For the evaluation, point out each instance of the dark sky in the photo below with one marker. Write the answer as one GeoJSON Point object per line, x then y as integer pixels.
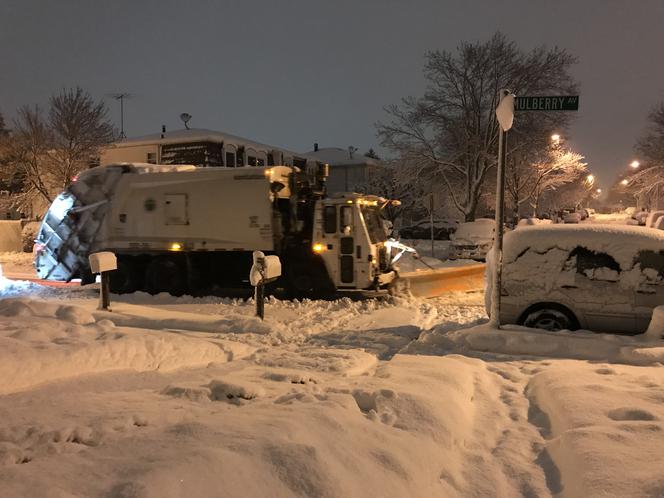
{"type": "Point", "coordinates": [291, 73]}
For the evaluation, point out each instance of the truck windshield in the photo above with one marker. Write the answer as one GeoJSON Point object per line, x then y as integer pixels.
{"type": "Point", "coordinates": [374, 223]}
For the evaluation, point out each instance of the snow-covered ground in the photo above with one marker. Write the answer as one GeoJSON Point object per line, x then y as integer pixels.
{"type": "Point", "coordinates": [18, 263]}
{"type": "Point", "coordinates": [171, 397]}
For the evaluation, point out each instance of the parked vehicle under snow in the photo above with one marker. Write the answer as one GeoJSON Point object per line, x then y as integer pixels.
{"type": "Point", "coordinates": [472, 240]}
{"type": "Point", "coordinates": [597, 277]}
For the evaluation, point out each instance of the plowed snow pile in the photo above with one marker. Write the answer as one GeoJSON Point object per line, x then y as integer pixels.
{"type": "Point", "coordinates": [42, 341]}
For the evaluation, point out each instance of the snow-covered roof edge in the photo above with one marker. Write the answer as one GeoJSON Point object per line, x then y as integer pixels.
{"type": "Point", "coordinates": [203, 135]}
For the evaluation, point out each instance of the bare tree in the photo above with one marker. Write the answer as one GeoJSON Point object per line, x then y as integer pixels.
{"type": "Point", "coordinates": [48, 152]}
{"type": "Point", "coordinates": [80, 127]}
{"type": "Point", "coordinates": [451, 131]}
{"type": "Point", "coordinates": [650, 146]}
{"type": "Point", "coordinates": [28, 155]}
{"type": "Point", "coordinates": [553, 167]}
{"type": "Point", "coordinates": [647, 184]}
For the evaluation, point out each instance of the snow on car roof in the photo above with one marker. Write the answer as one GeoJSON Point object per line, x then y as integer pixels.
{"type": "Point", "coordinates": [619, 241]}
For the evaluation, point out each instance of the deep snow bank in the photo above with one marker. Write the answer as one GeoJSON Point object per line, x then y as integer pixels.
{"type": "Point", "coordinates": [44, 341]}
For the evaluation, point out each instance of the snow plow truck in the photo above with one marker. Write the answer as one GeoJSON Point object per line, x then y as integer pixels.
{"type": "Point", "coordinates": [185, 229]}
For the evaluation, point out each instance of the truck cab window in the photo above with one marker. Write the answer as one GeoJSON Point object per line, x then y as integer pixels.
{"type": "Point", "coordinates": [374, 223]}
{"type": "Point", "coordinates": [330, 219]}
{"type": "Point", "coordinates": [346, 218]}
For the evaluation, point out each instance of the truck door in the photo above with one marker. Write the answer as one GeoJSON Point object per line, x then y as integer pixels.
{"type": "Point", "coordinates": [346, 245]}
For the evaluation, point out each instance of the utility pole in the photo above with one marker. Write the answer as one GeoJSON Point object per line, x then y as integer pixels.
{"type": "Point", "coordinates": [121, 96]}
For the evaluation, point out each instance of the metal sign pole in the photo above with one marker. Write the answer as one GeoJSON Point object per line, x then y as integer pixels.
{"type": "Point", "coordinates": [498, 244]}
{"type": "Point", "coordinates": [505, 116]}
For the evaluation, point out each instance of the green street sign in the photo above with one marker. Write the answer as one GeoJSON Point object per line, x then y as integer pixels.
{"type": "Point", "coordinates": [559, 103]}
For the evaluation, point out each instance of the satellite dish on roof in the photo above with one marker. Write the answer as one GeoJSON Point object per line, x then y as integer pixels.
{"type": "Point", "coordinates": [185, 117]}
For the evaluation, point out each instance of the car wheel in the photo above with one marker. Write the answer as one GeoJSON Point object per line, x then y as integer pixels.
{"type": "Point", "coordinates": [552, 319]}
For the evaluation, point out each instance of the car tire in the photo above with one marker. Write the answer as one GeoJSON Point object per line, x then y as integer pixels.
{"type": "Point", "coordinates": [552, 318]}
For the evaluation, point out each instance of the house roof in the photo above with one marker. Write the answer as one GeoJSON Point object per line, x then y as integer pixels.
{"type": "Point", "coordinates": [336, 156]}
{"type": "Point", "coordinates": [199, 135]}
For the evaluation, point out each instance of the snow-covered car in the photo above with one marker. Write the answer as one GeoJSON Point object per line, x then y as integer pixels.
{"type": "Point", "coordinates": [641, 217]}
{"type": "Point", "coordinates": [472, 240]}
{"type": "Point", "coordinates": [597, 277]}
{"type": "Point", "coordinates": [571, 217]}
{"type": "Point", "coordinates": [442, 229]}
{"type": "Point", "coordinates": [653, 218]}
{"type": "Point", "coordinates": [530, 221]}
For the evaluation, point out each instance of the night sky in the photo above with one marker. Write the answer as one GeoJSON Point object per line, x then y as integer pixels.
{"type": "Point", "coordinates": [292, 73]}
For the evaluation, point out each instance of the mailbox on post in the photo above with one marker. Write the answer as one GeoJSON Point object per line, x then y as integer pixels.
{"type": "Point", "coordinates": [103, 263]}
{"type": "Point", "coordinates": [265, 269]}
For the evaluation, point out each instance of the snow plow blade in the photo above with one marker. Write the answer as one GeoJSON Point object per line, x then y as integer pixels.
{"type": "Point", "coordinates": [433, 283]}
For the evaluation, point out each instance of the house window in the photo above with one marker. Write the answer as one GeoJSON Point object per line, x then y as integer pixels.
{"type": "Point", "coordinates": [152, 158]}
{"type": "Point", "coordinates": [251, 161]}
{"type": "Point", "coordinates": [230, 159]}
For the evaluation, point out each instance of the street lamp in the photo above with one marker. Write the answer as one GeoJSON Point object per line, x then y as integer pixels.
{"type": "Point", "coordinates": [624, 182]}
{"type": "Point", "coordinates": [599, 190]}
{"type": "Point", "coordinates": [590, 179]}
{"type": "Point", "coordinates": [555, 138]}
{"type": "Point", "coordinates": [635, 164]}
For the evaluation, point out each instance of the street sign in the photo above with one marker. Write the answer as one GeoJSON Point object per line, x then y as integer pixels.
{"type": "Point", "coordinates": [557, 103]}
{"type": "Point", "coordinates": [505, 111]}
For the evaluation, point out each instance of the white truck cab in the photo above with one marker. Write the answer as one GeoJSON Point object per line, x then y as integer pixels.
{"type": "Point", "coordinates": [350, 238]}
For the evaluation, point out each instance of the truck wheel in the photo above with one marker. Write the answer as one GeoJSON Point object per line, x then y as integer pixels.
{"type": "Point", "coordinates": [163, 274]}
{"type": "Point", "coordinates": [305, 281]}
{"type": "Point", "coordinates": [125, 279]}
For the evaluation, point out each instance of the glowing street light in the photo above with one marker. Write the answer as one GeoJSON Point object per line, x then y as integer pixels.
{"type": "Point", "coordinates": [555, 138]}
{"type": "Point", "coordinates": [590, 179]}
{"type": "Point", "coordinates": [635, 164]}
{"type": "Point", "coordinates": [599, 190]}
{"type": "Point", "coordinates": [624, 182]}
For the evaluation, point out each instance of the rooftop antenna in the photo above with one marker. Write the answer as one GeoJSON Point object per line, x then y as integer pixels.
{"type": "Point", "coordinates": [351, 151]}
{"type": "Point", "coordinates": [185, 119]}
{"type": "Point", "coordinates": [121, 96]}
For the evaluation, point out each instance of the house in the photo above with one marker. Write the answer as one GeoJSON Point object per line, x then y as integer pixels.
{"type": "Point", "coordinates": [348, 169]}
{"type": "Point", "coordinates": [201, 147]}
